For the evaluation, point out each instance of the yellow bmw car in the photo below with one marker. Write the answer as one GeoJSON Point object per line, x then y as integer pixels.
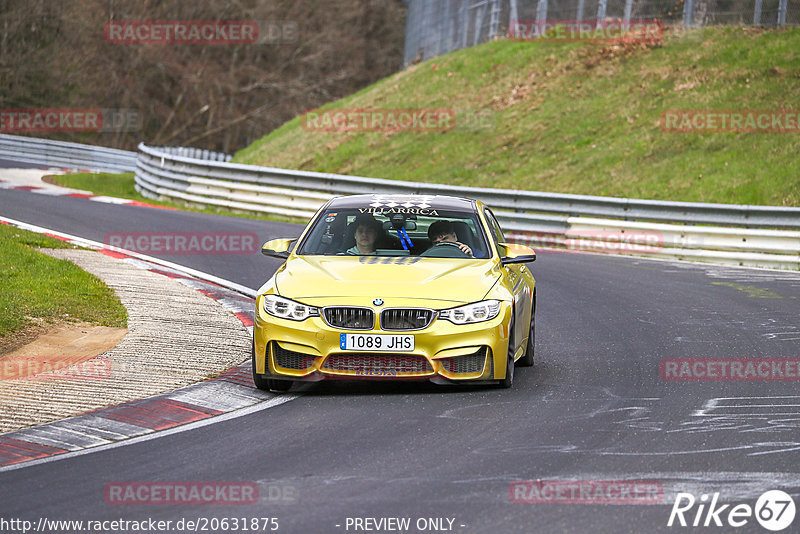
{"type": "Point", "coordinates": [396, 287]}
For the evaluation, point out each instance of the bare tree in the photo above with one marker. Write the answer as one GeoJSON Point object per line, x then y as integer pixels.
{"type": "Point", "coordinates": [222, 97]}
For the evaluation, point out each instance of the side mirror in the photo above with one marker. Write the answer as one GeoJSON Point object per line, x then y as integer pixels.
{"type": "Point", "coordinates": [516, 254]}
{"type": "Point", "coordinates": [278, 248]}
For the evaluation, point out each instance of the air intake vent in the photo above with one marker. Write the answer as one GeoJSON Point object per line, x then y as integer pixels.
{"type": "Point", "coordinates": [291, 360]}
{"type": "Point", "coordinates": [349, 318]}
{"type": "Point", "coordinates": [368, 364]}
{"type": "Point", "coordinates": [406, 319]}
{"type": "Point", "coordinates": [469, 364]}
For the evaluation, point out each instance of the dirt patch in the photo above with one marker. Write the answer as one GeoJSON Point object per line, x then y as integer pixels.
{"type": "Point", "coordinates": [18, 338]}
{"type": "Point", "coordinates": [592, 56]}
{"type": "Point", "coordinates": [51, 179]}
{"type": "Point", "coordinates": [56, 348]}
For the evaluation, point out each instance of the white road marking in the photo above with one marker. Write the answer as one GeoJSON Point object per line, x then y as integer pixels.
{"type": "Point", "coordinates": [275, 401]}
{"type": "Point", "coordinates": [218, 395]}
{"type": "Point", "coordinates": [713, 408]}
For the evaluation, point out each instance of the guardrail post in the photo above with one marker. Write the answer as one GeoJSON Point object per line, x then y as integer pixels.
{"type": "Point", "coordinates": [601, 11]}
{"type": "Point", "coordinates": [688, 14]}
{"type": "Point", "coordinates": [541, 12]}
{"type": "Point", "coordinates": [757, 13]}
{"type": "Point", "coordinates": [513, 17]}
{"type": "Point", "coordinates": [480, 13]}
{"type": "Point", "coordinates": [627, 15]}
{"type": "Point", "coordinates": [782, 12]}
{"type": "Point", "coordinates": [494, 18]}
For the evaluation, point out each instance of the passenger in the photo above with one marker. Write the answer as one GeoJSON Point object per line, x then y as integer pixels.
{"type": "Point", "coordinates": [366, 235]}
{"type": "Point", "coordinates": [444, 242]}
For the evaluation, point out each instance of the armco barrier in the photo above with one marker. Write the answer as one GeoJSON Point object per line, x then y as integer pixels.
{"type": "Point", "coordinates": [62, 154]}
{"type": "Point", "coordinates": [759, 236]}
{"type": "Point", "coordinates": [157, 162]}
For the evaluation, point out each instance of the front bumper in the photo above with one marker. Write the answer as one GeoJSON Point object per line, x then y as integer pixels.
{"type": "Point", "coordinates": [444, 352]}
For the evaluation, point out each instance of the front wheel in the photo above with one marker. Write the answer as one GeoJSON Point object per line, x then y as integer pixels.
{"type": "Point", "coordinates": [527, 360]}
{"type": "Point", "coordinates": [266, 384]}
{"type": "Point", "coordinates": [260, 382]}
{"type": "Point", "coordinates": [508, 381]}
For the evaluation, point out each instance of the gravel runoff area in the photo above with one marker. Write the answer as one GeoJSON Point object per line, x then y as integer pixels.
{"type": "Point", "coordinates": [176, 336]}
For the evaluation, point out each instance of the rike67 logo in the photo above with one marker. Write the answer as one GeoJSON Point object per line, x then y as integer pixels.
{"type": "Point", "coordinates": [774, 510]}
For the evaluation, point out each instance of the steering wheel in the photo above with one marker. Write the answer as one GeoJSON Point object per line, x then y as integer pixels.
{"type": "Point", "coordinates": [448, 243]}
{"type": "Point", "coordinates": [451, 244]}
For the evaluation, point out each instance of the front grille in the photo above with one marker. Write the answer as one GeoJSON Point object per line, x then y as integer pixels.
{"type": "Point", "coordinates": [406, 319]}
{"type": "Point", "coordinates": [471, 363]}
{"type": "Point", "coordinates": [349, 318]}
{"type": "Point", "coordinates": [369, 364]}
{"type": "Point", "coordinates": [291, 360]}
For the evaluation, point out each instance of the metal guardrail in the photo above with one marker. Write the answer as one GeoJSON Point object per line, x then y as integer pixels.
{"type": "Point", "coordinates": [762, 236]}
{"type": "Point", "coordinates": [195, 153]}
{"type": "Point", "coordinates": [64, 154]}
{"type": "Point", "coordinates": [528, 205]}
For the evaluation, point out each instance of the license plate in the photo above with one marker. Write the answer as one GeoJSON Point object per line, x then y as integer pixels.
{"type": "Point", "coordinates": [376, 342]}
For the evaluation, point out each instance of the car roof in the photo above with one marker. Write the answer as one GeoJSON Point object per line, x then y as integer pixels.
{"type": "Point", "coordinates": [406, 201]}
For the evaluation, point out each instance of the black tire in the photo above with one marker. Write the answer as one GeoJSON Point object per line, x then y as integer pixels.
{"type": "Point", "coordinates": [259, 380]}
{"type": "Point", "coordinates": [527, 360]}
{"type": "Point", "coordinates": [508, 381]}
{"type": "Point", "coordinates": [263, 383]}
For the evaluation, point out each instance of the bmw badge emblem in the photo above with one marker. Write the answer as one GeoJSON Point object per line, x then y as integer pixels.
{"type": "Point", "coordinates": [378, 302]}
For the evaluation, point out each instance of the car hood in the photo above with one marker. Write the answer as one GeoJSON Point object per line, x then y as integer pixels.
{"type": "Point", "coordinates": [459, 280]}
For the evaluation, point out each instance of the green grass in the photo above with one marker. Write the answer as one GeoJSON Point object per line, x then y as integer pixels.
{"type": "Point", "coordinates": [122, 186]}
{"type": "Point", "coordinates": [112, 185]}
{"type": "Point", "coordinates": [35, 285]}
{"type": "Point", "coordinates": [578, 118]}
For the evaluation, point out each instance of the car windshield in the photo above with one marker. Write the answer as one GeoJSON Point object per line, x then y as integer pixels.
{"type": "Point", "coordinates": [361, 232]}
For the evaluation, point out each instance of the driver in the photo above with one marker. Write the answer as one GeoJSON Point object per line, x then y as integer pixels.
{"type": "Point", "coordinates": [367, 228]}
{"type": "Point", "coordinates": [445, 242]}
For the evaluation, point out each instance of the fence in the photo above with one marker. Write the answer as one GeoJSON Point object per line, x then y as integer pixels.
{"type": "Point", "coordinates": [435, 27]}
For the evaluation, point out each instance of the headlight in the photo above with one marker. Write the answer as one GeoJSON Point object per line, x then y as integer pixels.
{"type": "Point", "coordinates": [477, 312]}
{"type": "Point", "coordinates": [288, 309]}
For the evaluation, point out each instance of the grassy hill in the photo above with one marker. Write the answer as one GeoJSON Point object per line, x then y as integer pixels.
{"type": "Point", "coordinates": [577, 118]}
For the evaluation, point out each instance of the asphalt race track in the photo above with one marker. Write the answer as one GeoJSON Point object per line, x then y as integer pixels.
{"type": "Point", "coordinates": [594, 408]}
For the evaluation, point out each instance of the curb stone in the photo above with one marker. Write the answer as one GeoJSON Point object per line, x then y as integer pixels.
{"type": "Point", "coordinates": [231, 390]}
